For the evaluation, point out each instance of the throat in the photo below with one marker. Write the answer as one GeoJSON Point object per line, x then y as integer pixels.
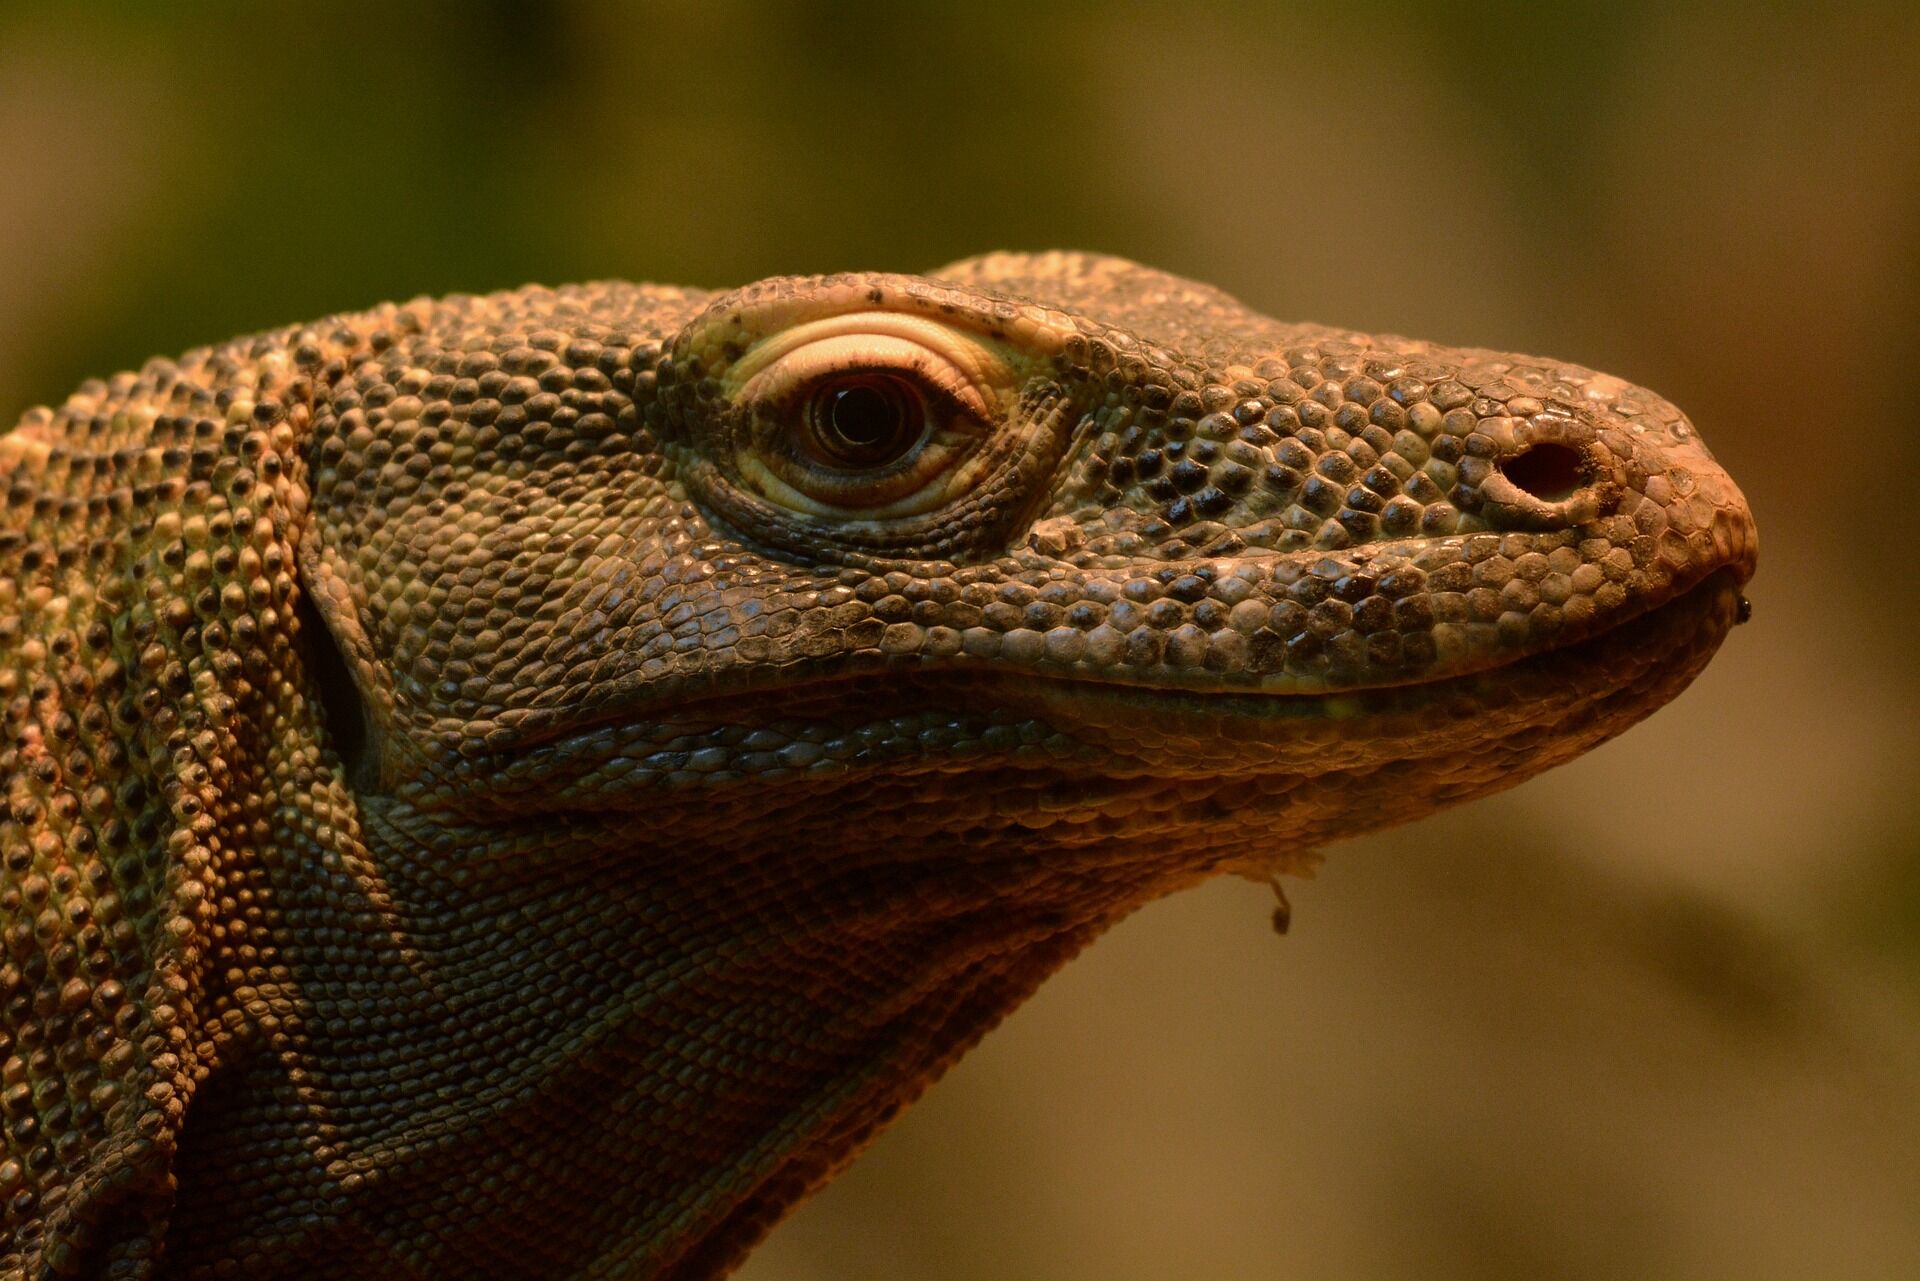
{"type": "Point", "coordinates": [724, 1029]}
{"type": "Point", "coordinates": [858, 1079]}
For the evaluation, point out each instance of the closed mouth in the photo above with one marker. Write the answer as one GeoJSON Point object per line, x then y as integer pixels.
{"type": "Point", "coordinates": [1656, 651]}
{"type": "Point", "coordinates": [1714, 604]}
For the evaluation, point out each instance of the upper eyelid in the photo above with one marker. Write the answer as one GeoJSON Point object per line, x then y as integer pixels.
{"type": "Point", "coordinates": [979, 361]}
{"type": "Point", "coordinates": [787, 378]}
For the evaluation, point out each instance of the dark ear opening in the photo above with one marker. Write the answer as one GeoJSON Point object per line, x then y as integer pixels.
{"type": "Point", "coordinates": [341, 706]}
{"type": "Point", "coordinates": [334, 647]}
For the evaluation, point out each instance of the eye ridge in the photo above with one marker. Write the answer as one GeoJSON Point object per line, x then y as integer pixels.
{"type": "Point", "coordinates": [865, 421]}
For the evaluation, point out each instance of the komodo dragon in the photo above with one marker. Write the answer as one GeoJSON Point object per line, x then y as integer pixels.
{"type": "Point", "coordinates": [528, 785]}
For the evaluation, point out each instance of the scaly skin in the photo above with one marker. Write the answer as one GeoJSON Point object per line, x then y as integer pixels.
{"type": "Point", "coordinates": [528, 785]}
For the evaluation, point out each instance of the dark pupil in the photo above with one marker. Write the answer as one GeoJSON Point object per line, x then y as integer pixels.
{"type": "Point", "coordinates": [866, 423]}
{"type": "Point", "coordinates": [865, 415]}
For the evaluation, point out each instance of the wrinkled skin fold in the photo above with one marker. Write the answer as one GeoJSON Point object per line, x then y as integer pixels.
{"type": "Point", "coordinates": [528, 785]}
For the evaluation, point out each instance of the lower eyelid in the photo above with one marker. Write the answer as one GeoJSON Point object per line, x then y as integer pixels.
{"type": "Point", "coordinates": [882, 489]}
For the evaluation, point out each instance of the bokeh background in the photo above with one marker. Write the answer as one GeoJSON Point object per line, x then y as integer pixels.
{"type": "Point", "coordinates": [1654, 1015]}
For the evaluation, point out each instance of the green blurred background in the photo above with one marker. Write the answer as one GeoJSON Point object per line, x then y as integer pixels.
{"type": "Point", "coordinates": [1656, 1014]}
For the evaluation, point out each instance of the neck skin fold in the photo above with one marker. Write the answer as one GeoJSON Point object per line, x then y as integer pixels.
{"type": "Point", "coordinates": [728, 1028]}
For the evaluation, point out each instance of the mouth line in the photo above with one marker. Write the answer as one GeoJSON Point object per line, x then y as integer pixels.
{"type": "Point", "coordinates": [1601, 650]}
{"type": "Point", "coordinates": [1595, 660]}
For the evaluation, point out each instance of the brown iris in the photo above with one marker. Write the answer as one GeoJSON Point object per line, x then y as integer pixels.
{"type": "Point", "coordinates": [865, 421]}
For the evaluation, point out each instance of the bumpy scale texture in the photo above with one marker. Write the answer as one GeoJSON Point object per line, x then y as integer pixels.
{"type": "Point", "coordinates": [513, 786]}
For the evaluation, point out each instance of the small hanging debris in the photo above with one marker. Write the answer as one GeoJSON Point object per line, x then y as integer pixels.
{"type": "Point", "coordinates": [1282, 910]}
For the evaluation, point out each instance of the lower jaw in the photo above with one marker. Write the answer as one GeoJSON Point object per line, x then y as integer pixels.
{"type": "Point", "coordinates": [1656, 653]}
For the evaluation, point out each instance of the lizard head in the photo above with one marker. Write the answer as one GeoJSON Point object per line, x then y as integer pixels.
{"type": "Point", "coordinates": [744, 699]}
{"type": "Point", "coordinates": [1050, 546]}
{"type": "Point", "coordinates": [850, 650]}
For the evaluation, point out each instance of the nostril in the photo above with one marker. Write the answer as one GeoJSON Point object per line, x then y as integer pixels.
{"type": "Point", "coordinates": [1547, 470]}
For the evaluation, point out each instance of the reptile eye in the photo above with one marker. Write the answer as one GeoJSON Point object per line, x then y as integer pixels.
{"type": "Point", "coordinates": [867, 416]}
{"type": "Point", "coordinates": [865, 422]}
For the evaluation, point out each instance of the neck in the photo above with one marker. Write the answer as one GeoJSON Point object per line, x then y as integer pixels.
{"type": "Point", "coordinates": [728, 1027]}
